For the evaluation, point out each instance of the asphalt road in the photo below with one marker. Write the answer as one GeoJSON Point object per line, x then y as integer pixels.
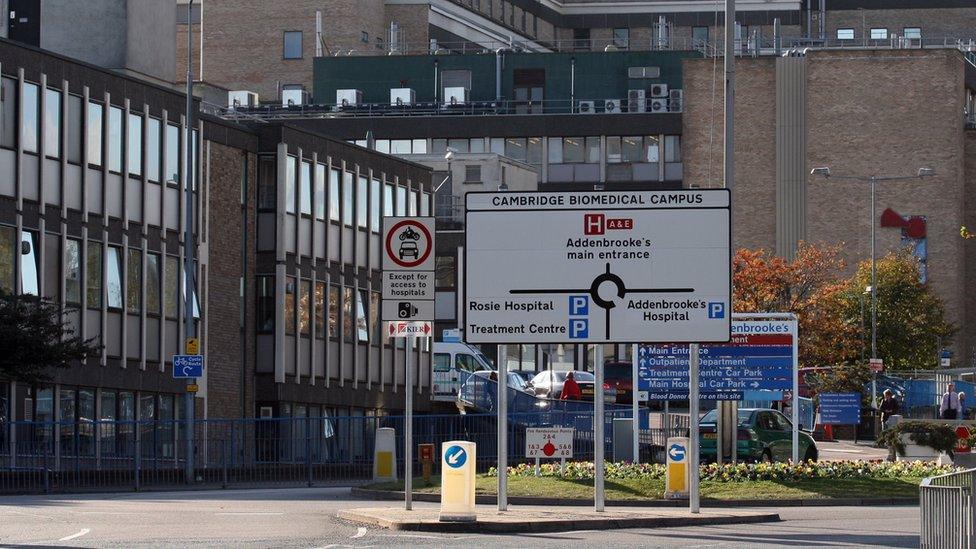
{"type": "Point", "coordinates": [306, 518]}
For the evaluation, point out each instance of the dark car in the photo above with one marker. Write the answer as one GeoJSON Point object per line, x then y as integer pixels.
{"type": "Point", "coordinates": [619, 376]}
{"type": "Point", "coordinates": [763, 435]}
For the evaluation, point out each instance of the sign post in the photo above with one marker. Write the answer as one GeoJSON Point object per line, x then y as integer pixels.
{"type": "Point", "coordinates": [408, 307]}
{"type": "Point", "coordinates": [694, 407]}
{"type": "Point", "coordinates": [635, 403]}
{"type": "Point", "coordinates": [502, 396]}
{"type": "Point", "coordinates": [595, 267]}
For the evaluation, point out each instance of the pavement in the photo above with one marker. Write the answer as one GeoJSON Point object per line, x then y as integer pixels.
{"type": "Point", "coordinates": [307, 518]}
{"type": "Point", "coordinates": [846, 450]}
{"type": "Point", "coordinates": [546, 519]}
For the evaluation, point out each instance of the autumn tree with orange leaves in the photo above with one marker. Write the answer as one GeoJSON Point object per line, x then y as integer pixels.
{"type": "Point", "coordinates": [809, 286]}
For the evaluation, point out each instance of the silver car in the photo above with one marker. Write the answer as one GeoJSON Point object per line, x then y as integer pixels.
{"type": "Point", "coordinates": [549, 384]}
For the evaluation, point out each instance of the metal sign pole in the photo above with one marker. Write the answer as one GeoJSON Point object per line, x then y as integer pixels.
{"type": "Point", "coordinates": [635, 408]}
{"type": "Point", "coordinates": [502, 391]}
{"type": "Point", "coordinates": [599, 442]}
{"type": "Point", "coordinates": [693, 469]}
{"type": "Point", "coordinates": [796, 393]}
{"type": "Point", "coordinates": [408, 429]}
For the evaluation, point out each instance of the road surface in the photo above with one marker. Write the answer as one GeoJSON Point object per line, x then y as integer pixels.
{"type": "Point", "coordinates": [305, 517]}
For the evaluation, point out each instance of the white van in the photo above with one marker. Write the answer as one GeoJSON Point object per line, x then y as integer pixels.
{"type": "Point", "coordinates": [452, 364]}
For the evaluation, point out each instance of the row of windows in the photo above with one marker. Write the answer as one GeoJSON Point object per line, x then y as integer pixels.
{"type": "Point", "coordinates": [881, 33]}
{"type": "Point", "coordinates": [103, 277]}
{"type": "Point", "coordinates": [157, 168]}
{"type": "Point", "coordinates": [562, 150]}
{"type": "Point", "coordinates": [302, 308]}
{"type": "Point", "coordinates": [354, 194]}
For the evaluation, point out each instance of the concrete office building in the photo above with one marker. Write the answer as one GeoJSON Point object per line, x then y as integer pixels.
{"type": "Point", "coordinates": [287, 221]}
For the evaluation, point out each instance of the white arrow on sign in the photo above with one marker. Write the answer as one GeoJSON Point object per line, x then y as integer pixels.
{"type": "Point", "coordinates": [676, 452]}
{"type": "Point", "coordinates": [453, 459]}
{"type": "Point", "coordinates": [186, 370]}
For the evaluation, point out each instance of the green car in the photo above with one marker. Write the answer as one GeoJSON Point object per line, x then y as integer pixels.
{"type": "Point", "coordinates": [763, 435]}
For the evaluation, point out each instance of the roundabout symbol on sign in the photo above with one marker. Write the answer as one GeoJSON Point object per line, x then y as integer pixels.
{"type": "Point", "coordinates": [412, 244]}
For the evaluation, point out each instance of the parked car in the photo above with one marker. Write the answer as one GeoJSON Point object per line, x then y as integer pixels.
{"type": "Point", "coordinates": [619, 376]}
{"type": "Point", "coordinates": [526, 375]}
{"type": "Point", "coordinates": [549, 384]}
{"type": "Point", "coordinates": [515, 381]}
{"type": "Point", "coordinates": [763, 435]}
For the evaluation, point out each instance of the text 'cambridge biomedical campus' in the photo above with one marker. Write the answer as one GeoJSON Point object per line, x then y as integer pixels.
{"type": "Point", "coordinates": [488, 273]}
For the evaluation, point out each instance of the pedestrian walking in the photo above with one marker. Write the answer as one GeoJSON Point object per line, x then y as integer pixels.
{"type": "Point", "coordinates": [889, 406]}
{"type": "Point", "coordinates": [949, 406]}
{"type": "Point", "coordinates": [571, 389]}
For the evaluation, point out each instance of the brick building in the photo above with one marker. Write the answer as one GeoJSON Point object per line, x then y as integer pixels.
{"type": "Point", "coordinates": [287, 279]}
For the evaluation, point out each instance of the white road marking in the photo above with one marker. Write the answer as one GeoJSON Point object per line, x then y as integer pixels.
{"type": "Point", "coordinates": [251, 514]}
{"type": "Point", "coordinates": [843, 451]}
{"type": "Point", "coordinates": [360, 532]}
{"type": "Point", "coordinates": [82, 532]}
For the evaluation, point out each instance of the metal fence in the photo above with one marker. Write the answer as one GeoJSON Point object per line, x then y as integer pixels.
{"type": "Point", "coordinates": [124, 455]}
{"type": "Point", "coordinates": [947, 511]}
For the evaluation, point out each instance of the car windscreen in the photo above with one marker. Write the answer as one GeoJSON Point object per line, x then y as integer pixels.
{"type": "Point", "coordinates": [744, 417]}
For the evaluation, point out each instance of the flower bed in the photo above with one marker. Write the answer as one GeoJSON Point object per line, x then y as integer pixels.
{"type": "Point", "coordinates": [583, 470]}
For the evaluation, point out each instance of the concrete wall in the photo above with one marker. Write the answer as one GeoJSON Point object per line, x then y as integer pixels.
{"type": "Point", "coordinates": [151, 30]}
{"type": "Point", "coordinates": [93, 31]}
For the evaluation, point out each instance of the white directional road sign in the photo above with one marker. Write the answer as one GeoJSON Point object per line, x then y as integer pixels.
{"type": "Point", "coordinates": [596, 267]}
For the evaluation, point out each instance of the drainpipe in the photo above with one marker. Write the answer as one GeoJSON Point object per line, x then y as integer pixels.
{"type": "Point", "coordinates": [572, 84]}
{"type": "Point", "coordinates": [436, 91]}
{"type": "Point", "coordinates": [498, 75]}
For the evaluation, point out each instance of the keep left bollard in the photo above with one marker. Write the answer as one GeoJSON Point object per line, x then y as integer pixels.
{"type": "Point", "coordinates": [457, 481]}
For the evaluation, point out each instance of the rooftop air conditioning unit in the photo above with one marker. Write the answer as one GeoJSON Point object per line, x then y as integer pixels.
{"type": "Point", "coordinates": [659, 104]}
{"type": "Point", "coordinates": [242, 98]}
{"type": "Point", "coordinates": [659, 90]}
{"type": "Point", "coordinates": [348, 98]}
{"type": "Point", "coordinates": [636, 101]}
{"type": "Point", "coordinates": [402, 96]}
{"type": "Point", "coordinates": [587, 107]}
{"type": "Point", "coordinates": [455, 96]}
{"type": "Point", "coordinates": [611, 105]}
{"type": "Point", "coordinates": [676, 100]}
{"type": "Point", "coordinates": [291, 98]}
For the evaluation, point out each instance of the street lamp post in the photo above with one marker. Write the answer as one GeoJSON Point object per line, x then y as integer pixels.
{"type": "Point", "coordinates": [873, 180]}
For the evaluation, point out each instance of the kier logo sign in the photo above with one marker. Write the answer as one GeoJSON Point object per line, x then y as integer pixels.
{"type": "Point", "coordinates": [409, 329]}
{"type": "Point", "coordinates": [597, 224]}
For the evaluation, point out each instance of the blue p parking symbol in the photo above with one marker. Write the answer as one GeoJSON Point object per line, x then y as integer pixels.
{"type": "Point", "coordinates": [579, 305]}
{"type": "Point", "coordinates": [716, 309]}
{"type": "Point", "coordinates": [579, 328]}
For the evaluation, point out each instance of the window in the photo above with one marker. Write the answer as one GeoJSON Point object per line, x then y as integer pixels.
{"type": "Point", "coordinates": [7, 258]}
{"type": "Point", "coordinates": [72, 271]}
{"type": "Point", "coordinates": [420, 146]}
{"type": "Point", "coordinates": [95, 134]}
{"type": "Point", "coordinates": [652, 149]}
{"type": "Point", "coordinates": [114, 271]}
{"type": "Point", "coordinates": [152, 149]}
{"type": "Point", "coordinates": [52, 123]}
{"type": "Point", "coordinates": [347, 318]}
{"type": "Point", "coordinates": [292, 45]}
{"type": "Point", "coordinates": [93, 275]}
{"type": "Point", "coordinates": [135, 144]}
{"type": "Point", "coordinates": [29, 124]}
{"type": "Point", "coordinates": [672, 148]}
{"type": "Point", "coordinates": [845, 34]}
{"type": "Point", "coordinates": [265, 316]}
{"type": "Point", "coordinates": [334, 195]}
{"type": "Point", "coordinates": [425, 204]}
{"type": "Point", "coordinates": [574, 150]}
{"type": "Point", "coordinates": [400, 146]}
{"type": "Point", "coordinates": [912, 33]}
{"type": "Point", "coordinates": [29, 282]}
{"type": "Point", "coordinates": [581, 39]}
{"type": "Point", "coordinates": [382, 145]}
{"type": "Point", "coordinates": [115, 139]}
{"type": "Point", "coordinates": [74, 114]}
{"type": "Point", "coordinates": [133, 291]}
{"type": "Point", "coordinates": [879, 34]}
{"type": "Point", "coordinates": [401, 201]}
{"type": "Point", "coordinates": [533, 152]}
{"type": "Point", "coordinates": [699, 35]}
{"type": "Point", "coordinates": [592, 150]}
{"type": "Point", "coordinates": [172, 275]}
{"type": "Point", "coordinates": [347, 197]}
{"type": "Point", "coordinates": [362, 322]}
{"type": "Point", "coordinates": [621, 37]}
{"type": "Point", "coordinates": [362, 202]}
{"type": "Point", "coordinates": [320, 192]}
{"type": "Point", "coordinates": [333, 311]}
{"type": "Point", "coordinates": [305, 307]}
{"type": "Point", "coordinates": [152, 284]}
{"type": "Point", "coordinates": [632, 149]}
{"type": "Point", "coordinates": [472, 173]}
{"type": "Point", "coordinates": [374, 206]}
{"type": "Point", "coordinates": [459, 145]}
{"type": "Point", "coordinates": [319, 310]}
{"type": "Point", "coordinates": [374, 317]}
{"type": "Point", "coordinates": [290, 183]}
{"type": "Point", "coordinates": [387, 200]}
{"type": "Point", "coordinates": [438, 146]}
{"type": "Point", "coordinates": [613, 150]}
{"type": "Point", "coordinates": [364, 36]}
{"type": "Point", "coordinates": [172, 169]}
{"type": "Point", "coordinates": [290, 305]}
{"type": "Point", "coordinates": [305, 191]}
{"type": "Point", "coordinates": [515, 148]}
{"type": "Point", "coordinates": [444, 271]}
{"type": "Point", "coordinates": [8, 111]}
{"type": "Point", "coordinates": [412, 204]}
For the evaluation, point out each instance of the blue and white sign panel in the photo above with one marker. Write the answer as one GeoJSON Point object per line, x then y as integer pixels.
{"type": "Point", "coordinates": [456, 456]}
{"type": "Point", "coordinates": [187, 366]}
{"type": "Point", "coordinates": [759, 358]}
{"type": "Point", "coordinates": [840, 408]}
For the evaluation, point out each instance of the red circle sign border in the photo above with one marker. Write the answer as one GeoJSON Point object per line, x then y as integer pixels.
{"type": "Point", "coordinates": [397, 260]}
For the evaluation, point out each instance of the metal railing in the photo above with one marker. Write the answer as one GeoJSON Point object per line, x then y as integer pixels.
{"type": "Point", "coordinates": [137, 455]}
{"type": "Point", "coordinates": [947, 511]}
